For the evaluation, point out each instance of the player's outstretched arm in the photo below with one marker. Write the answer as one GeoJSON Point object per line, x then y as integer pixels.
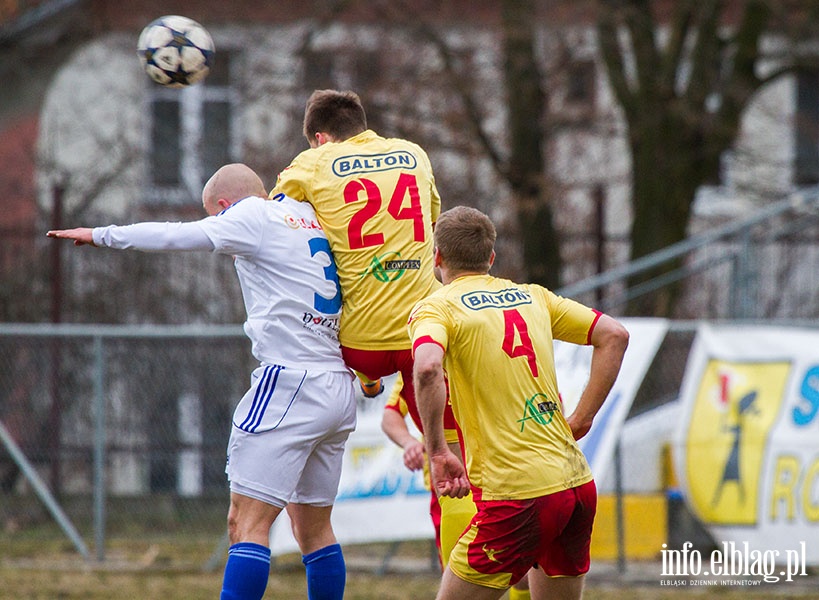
{"type": "Point", "coordinates": [148, 237]}
{"type": "Point", "coordinates": [610, 340]}
{"type": "Point", "coordinates": [80, 235]}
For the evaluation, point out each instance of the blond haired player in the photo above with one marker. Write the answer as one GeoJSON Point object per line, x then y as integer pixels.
{"type": "Point", "coordinates": [533, 488]}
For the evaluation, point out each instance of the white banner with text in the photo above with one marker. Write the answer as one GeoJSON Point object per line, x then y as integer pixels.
{"type": "Point", "coordinates": [747, 448]}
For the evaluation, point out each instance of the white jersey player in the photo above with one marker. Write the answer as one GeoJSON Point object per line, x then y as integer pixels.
{"type": "Point", "coordinates": [289, 429]}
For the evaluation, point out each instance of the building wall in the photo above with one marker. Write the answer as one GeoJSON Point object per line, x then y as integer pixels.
{"type": "Point", "coordinates": [95, 119]}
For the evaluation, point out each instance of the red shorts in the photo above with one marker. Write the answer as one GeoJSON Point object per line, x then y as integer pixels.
{"type": "Point", "coordinates": [507, 537]}
{"type": "Point", "coordinates": [380, 363]}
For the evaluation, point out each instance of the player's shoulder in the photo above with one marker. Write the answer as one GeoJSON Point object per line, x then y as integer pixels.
{"type": "Point", "coordinates": [292, 213]}
{"type": "Point", "coordinates": [434, 302]}
{"type": "Point", "coordinates": [243, 206]}
{"type": "Point", "coordinates": [281, 202]}
{"type": "Point", "coordinates": [372, 140]}
{"type": "Point", "coordinates": [405, 145]}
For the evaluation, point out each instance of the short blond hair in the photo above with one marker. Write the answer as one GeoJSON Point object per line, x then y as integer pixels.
{"type": "Point", "coordinates": [465, 238]}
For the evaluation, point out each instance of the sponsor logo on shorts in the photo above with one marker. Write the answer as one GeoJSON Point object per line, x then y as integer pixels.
{"type": "Point", "coordinates": [357, 164]}
{"type": "Point", "coordinates": [507, 298]}
{"type": "Point", "coordinates": [389, 267]}
{"type": "Point", "coordinates": [490, 553]}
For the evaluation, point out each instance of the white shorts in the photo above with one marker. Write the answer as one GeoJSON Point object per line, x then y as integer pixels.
{"type": "Point", "coordinates": [288, 435]}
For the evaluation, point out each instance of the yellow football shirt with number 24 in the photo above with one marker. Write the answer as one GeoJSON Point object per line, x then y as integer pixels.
{"type": "Point", "coordinates": [376, 200]}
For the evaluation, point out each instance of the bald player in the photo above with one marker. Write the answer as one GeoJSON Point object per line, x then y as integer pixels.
{"type": "Point", "coordinates": [290, 428]}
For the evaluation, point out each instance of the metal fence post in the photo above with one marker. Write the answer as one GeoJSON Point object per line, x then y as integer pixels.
{"type": "Point", "coordinates": [619, 509]}
{"type": "Point", "coordinates": [42, 491]}
{"type": "Point", "coordinates": [99, 447]}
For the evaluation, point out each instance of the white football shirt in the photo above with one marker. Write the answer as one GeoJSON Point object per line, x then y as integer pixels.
{"type": "Point", "coordinates": [286, 272]}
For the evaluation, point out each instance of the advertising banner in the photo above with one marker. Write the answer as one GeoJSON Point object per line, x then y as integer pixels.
{"type": "Point", "coordinates": [747, 448]}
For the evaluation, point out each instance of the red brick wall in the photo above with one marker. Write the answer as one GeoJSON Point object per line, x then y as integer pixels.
{"type": "Point", "coordinates": [17, 155]}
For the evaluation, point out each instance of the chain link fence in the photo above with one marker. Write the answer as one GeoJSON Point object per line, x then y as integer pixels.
{"type": "Point", "coordinates": [126, 426]}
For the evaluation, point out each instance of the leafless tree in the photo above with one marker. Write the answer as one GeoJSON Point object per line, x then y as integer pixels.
{"type": "Point", "coordinates": [683, 73]}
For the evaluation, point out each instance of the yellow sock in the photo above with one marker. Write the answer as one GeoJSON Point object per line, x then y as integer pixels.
{"type": "Point", "coordinates": [456, 513]}
{"type": "Point", "coordinates": [515, 594]}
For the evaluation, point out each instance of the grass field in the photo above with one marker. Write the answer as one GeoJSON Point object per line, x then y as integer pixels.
{"type": "Point", "coordinates": [157, 568]}
{"type": "Point", "coordinates": [79, 583]}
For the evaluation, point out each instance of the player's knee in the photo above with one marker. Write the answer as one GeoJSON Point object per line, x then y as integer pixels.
{"type": "Point", "coordinates": [233, 527]}
{"type": "Point", "coordinates": [313, 536]}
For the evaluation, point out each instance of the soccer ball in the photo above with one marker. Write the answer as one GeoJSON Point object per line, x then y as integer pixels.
{"type": "Point", "coordinates": [175, 51]}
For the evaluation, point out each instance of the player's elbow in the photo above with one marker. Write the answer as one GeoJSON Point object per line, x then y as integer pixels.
{"type": "Point", "coordinates": [618, 338]}
{"type": "Point", "coordinates": [427, 372]}
{"type": "Point", "coordinates": [611, 335]}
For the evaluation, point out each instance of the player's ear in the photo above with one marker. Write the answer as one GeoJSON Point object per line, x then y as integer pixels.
{"type": "Point", "coordinates": [492, 258]}
{"type": "Point", "coordinates": [322, 138]}
{"type": "Point", "coordinates": [436, 258]}
{"type": "Point", "coordinates": [223, 204]}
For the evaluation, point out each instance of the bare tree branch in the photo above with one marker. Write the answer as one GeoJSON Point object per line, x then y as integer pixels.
{"type": "Point", "coordinates": [704, 56]}
{"type": "Point", "coordinates": [638, 19]}
{"type": "Point", "coordinates": [608, 36]}
{"type": "Point", "coordinates": [680, 29]}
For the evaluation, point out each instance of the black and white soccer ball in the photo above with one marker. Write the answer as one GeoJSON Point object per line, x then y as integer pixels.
{"type": "Point", "coordinates": [175, 51]}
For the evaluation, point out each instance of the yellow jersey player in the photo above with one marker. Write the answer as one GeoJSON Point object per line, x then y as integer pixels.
{"type": "Point", "coordinates": [376, 200]}
{"type": "Point", "coordinates": [492, 340]}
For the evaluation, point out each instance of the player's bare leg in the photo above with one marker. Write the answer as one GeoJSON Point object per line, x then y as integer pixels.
{"type": "Point", "coordinates": [311, 526]}
{"type": "Point", "coordinates": [543, 587]}
{"type": "Point", "coordinates": [249, 520]}
{"type": "Point", "coordinates": [455, 588]}
{"type": "Point", "coordinates": [248, 565]}
{"type": "Point", "coordinates": [321, 553]}
{"type": "Point", "coordinates": [520, 591]}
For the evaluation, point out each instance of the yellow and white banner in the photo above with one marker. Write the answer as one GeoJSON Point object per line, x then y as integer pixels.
{"type": "Point", "coordinates": [747, 449]}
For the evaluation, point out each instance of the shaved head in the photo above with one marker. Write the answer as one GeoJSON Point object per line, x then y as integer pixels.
{"type": "Point", "coordinates": [231, 183]}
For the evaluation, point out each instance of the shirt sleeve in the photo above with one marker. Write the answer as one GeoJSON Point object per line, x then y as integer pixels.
{"type": "Point", "coordinates": [153, 237]}
{"type": "Point", "coordinates": [434, 195]}
{"type": "Point", "coordinates": [427, 323]}
{"type": "Point", "coordinates": [571, 321]}
{"type": "Point", "coordinates": [239, 229]}
{"type": "Point", "coordinates": [293, 181]}
{"type": "Point", "coordinates": [396, 401]}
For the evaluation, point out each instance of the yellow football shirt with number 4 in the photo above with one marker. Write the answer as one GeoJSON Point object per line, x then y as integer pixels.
{"type": "Point", "coordinates": [497, 336]}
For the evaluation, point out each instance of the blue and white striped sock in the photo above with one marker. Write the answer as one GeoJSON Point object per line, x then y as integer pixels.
{"type": "Point", "coordinates": [246, 572]}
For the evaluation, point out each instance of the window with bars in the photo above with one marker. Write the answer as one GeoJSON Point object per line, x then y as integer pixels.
{"type": "Point", "coordinates": [192, 133]}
